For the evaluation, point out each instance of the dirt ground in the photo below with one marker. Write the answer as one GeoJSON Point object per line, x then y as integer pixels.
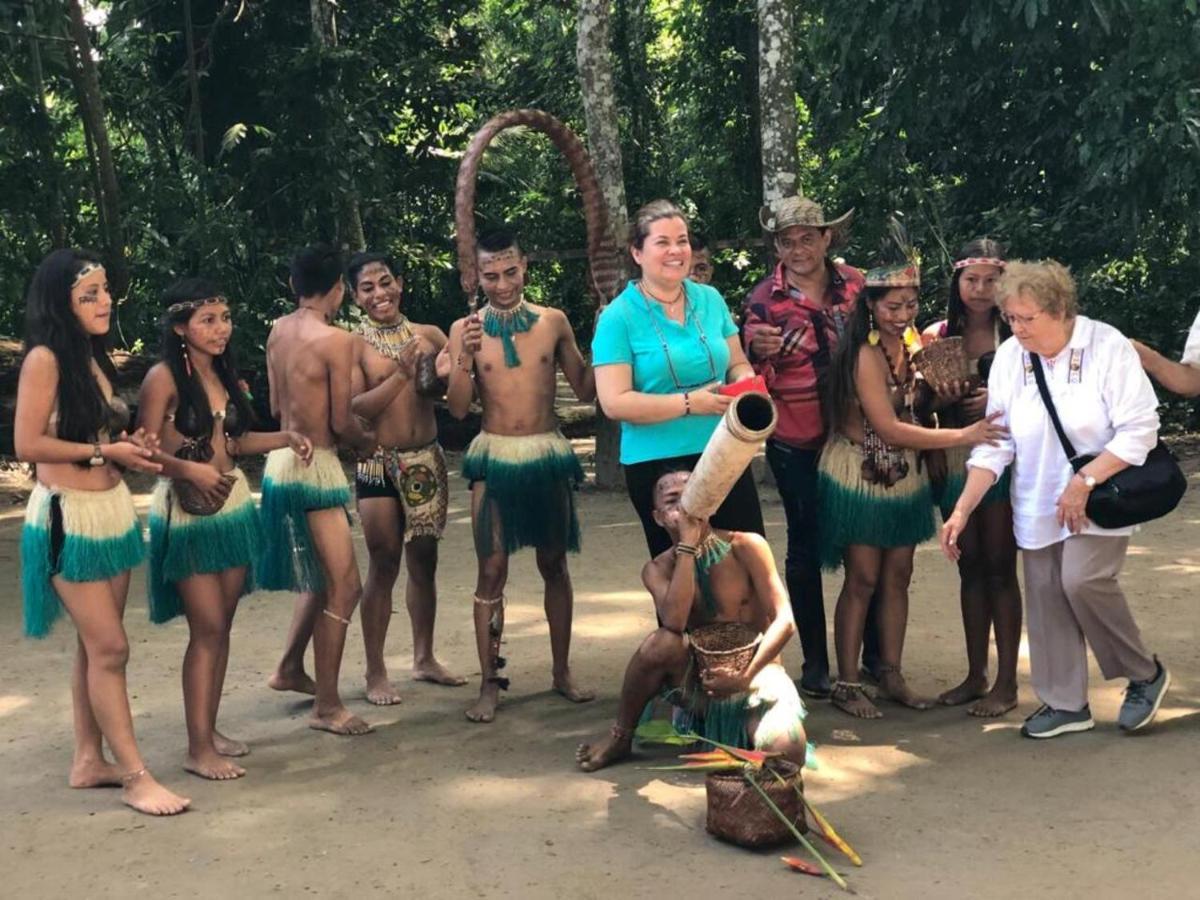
{"type": "Point", "coordinates": [938, 804]}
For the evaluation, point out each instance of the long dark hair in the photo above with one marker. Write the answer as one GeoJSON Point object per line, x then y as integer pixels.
{"type": "Point", "coordinates": [840, 393]}
{"type": "Point", "coordinates": [193, 399]}
{"type": "Point", "coordinates": [956, 312]}
{"type": "Point", "coordinates": [50, 322]}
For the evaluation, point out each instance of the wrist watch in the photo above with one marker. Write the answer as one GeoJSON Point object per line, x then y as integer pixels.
{"type": "Point", "coordinates": [1089, 481]}
{"type": "Point", "coordinates": [97, 458]}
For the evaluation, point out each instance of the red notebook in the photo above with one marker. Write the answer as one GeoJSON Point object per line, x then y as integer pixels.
{"type": "Point", "coordinates": [754, 384]}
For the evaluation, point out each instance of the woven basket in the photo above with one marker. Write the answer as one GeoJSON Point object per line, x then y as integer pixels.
{"type": "Point", "coordinates": [725, 647]}
{"type": "Point", "coordinates": [943, 361]}
{"type": "Point", "coordinates": [738, 814]}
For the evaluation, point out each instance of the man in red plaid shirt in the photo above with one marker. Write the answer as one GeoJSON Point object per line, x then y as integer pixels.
{"type": "Point", "coordinates": [792, 322]}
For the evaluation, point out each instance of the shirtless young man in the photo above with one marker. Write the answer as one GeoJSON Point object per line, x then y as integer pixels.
{"type": "Point", "coordinates": [521, 469]}
{"type": "Point", "coordinates": [743, 585]}
{"type": "Point", "coordinates": [401, 489]}
{"type": "Point", "coordinates": [306, 540]}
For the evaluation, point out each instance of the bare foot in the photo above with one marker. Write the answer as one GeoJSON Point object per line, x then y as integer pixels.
{"type": "Point", "coordinates": [212, 766]}
{"type": "Point", "coordinates": [853, 699]}
{"type": "Point", "coordinates": [382, 692]}
{"type": "Point", "coordinates": [564, 684]}
{"type": "Point", "coordinates": [227, 746]}
{"type": "Point", "coordinates": [999, 700]}
{"type": "Point", "coordinates": [604, 752]}
{"type": "Point", "coordinates": [484, 710]}
{"type": "Point", "coordinates": [93, 773]}
{"type": "Point", "coordinates": [433, 671]}
{"type": "Point", "coordinates": [970, 689]}
{"type": "Point", "coordinates": [147, 796]}
{"type": "Point", "coordinates": [892, 686]}
{"type": "Point", "coordinates": [299, 682]}
{"type": "Point", "coordinates": [339, 721]}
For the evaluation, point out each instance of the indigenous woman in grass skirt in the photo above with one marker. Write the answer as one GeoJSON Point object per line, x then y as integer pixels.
{"type": "Point", "coordinates": [81, 534]}
{"type": "Point", "coordinates": [874, 496]}
{"type": "Point", "coordinates": [989, 595]}
{"type": "Point", "coordinates": [204, 528]}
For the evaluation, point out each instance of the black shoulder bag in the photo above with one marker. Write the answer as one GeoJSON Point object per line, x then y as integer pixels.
{"type": "Point", "coordinates": [1134, 495]}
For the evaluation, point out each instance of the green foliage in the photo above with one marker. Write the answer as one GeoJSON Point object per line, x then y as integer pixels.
{"type": "Point", "coordinates": [1067, 130]}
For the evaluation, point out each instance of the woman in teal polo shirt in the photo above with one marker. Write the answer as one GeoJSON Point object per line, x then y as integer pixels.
{"type": "Point", "coordinates": [661, 349]}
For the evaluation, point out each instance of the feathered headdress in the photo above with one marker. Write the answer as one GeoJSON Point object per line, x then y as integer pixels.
{"type": "Point", "coordinates": [903, 266]}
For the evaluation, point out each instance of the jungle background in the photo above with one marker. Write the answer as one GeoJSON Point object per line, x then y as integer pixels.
{"type": "Point", "coordinates": [219, 136]}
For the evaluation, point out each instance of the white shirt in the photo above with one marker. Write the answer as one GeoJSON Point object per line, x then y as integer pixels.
{"type": "Point", "coordinates": [1191, 350]}
{"type": "Point", "coordinates": [1105, 402]}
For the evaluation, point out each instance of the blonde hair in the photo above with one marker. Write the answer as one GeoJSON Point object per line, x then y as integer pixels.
{"type": "Point", "coordinates": [1048, 283]}
{"type": "Point", "coordinates": [654, 211]}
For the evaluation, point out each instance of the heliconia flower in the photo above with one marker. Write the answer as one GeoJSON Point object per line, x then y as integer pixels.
{"type": "Point", "coordinates": [755, 758]}
{"type": "Point", "coordinates": [799, 865]}
{"type": "Point", "coordinates": [805, 842]}
{"type": "Point", "coordinates": [827, 833]}
{"type": "Point", "coordinates": [709, 756]}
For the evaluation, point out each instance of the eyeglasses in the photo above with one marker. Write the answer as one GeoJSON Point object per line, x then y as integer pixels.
{"type": "Point", "coordinates": [1024, 321]}
{"type": "Point", "coordinates": [688, 315]}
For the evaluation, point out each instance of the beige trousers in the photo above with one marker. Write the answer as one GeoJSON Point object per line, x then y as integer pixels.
{"type": "Point", "coordinates": [1072, 596]}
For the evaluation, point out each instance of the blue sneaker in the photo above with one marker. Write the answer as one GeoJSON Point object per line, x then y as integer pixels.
{"type": "Point", "coordinates": [1048, 722]}
{"type": "Point", "coordinates": [1142, 699]}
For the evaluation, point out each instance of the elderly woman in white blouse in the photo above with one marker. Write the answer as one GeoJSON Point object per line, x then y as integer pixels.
{"type": "Point", "coordinates": [1107, 407]}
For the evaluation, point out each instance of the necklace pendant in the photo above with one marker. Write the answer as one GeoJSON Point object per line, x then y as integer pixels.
{"type": "Point", "coordinates": [505, 323]}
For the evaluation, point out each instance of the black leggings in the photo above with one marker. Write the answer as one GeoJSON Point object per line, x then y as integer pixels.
{"type": "Point", "coordinates": [739, 512]}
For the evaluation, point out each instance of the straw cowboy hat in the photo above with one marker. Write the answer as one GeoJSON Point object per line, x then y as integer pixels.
{"type": "Point", "coordinates": [801, 211]}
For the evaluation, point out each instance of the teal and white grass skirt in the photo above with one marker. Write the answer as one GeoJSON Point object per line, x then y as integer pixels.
{"type": "Point", "coordinates": [948, 492]}
{"type": "Point", "coordinates": [529, 490]}
{"type": "Point", "coordinates": [290, 489]}
{"type": "Point", "coordinates": [182, 545]}
{"type": "Point", "coordinates": [856, 511]}
{"type": "Point", "coordinates": [79, 536]}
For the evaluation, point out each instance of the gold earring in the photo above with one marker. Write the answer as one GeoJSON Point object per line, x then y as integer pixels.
{"type": "Point", "coordinates": [873, 334]}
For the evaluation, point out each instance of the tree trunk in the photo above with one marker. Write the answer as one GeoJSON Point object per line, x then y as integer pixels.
{"type": "Point", "coordinates": [349, 217]}
{"type": "Point", "coordinates": [45, 130]}
{"type": "Point", "coordinates": [195, 117]}
{"type": "Point", "coordinates": [777, 99]}
{"type": "Point", "coordinates": [91, 108]}
{"type": "Point", "coordinates": [594, 61]}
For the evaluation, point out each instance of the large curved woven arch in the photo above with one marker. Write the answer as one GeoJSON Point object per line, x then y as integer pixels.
{"type": "Point", "coordinates": [604, 262]}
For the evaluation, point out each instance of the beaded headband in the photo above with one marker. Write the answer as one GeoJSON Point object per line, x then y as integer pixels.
{"type": "Point", "coordinates": [194, 304]}
{"type": "Point", "coordinates": [87, 269]}
{"type": "Point", "coordinates": [979, 261]}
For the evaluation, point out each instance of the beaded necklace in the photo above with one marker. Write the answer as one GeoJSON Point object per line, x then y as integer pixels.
{"type": "Point", "coordinates": [504, 323]}
{"type": "Point", "coordinates": [709, 552]}
{"type": "Point", "coordinates": [389, 340]}
{"type": "Point", "coordinates": [883, 463]}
